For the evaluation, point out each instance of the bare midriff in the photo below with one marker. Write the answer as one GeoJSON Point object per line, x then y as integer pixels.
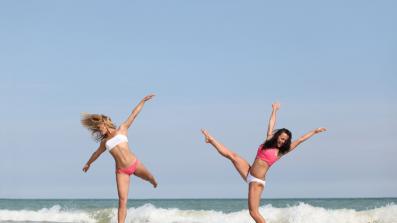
{"type": "Point", "coordinates": [122, 155]}
{"type": "Point", "coordinates": [259, 169]}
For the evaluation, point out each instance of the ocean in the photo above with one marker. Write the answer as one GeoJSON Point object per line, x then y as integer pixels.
{"type": "Point", "coordinates": [357, 210]}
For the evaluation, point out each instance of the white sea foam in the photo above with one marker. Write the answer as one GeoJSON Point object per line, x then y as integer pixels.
{"type": "Point", "coordinates": [53, 214]}
{"type": "Point", "coordinates": [302, 213]}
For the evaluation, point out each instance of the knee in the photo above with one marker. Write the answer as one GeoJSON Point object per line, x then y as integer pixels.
{"type": "Point", "coordinates": [254, 213]}
{"type": "Point", "coordinates": [232, 156]}
{"type": "Point", "coordinates": [123, 202]}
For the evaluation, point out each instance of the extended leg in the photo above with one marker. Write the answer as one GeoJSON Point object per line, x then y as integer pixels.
{"type": "Point", "coordinates": [143, 173]}
{"type": "Point", "coordinates": [241, 165]}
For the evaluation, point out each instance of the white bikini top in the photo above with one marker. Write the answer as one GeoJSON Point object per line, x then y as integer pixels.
{"type": "Point", "coordinates": [113, 142]}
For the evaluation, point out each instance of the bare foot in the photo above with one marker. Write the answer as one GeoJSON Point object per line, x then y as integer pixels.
{"type": "Point", "coordinates": [154, 183]}
{"type": "Point", "coordinates": [208, 137]}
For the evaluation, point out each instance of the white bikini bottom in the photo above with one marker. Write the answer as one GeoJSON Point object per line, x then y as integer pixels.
{"type": "Point", "coordinates": [251, 178]}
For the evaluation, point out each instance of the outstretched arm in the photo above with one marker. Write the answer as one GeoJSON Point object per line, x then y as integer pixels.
{"type": "Point", "coordinates": [136, 111]}
{"type": "Point", "coordinates": [305, 137]}
{"type": "Point", "coordinates": [272, 120]}
{"type": "Point", "coordinates": [95, 156]}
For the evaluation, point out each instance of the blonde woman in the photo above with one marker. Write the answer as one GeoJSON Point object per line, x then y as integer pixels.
{"type": "Point", "coordinates": [115, 141]}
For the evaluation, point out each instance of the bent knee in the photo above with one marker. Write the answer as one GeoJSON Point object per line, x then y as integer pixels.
{"type": "Point", "coordinates": [233, 156]}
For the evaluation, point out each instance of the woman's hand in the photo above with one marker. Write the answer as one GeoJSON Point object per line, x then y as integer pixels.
{"type": "Point", "coordinates": [276, 106]}
{"type": "Point", "coordinates": [318, 130]}
{"type": "Point", "coordinates": [86, 167]}
{"type": "Point", "coordinates": [148, 97]}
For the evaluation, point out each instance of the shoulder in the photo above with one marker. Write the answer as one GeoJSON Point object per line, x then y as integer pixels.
{"type": "Point", "coordinates": [122, 129]}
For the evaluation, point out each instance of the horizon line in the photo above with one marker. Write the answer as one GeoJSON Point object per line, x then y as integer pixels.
{"type": "Point", "coordinates": [286, 198]}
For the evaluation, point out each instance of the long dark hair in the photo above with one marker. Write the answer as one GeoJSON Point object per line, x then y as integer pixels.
{"type": "Point", "coordinates": [272, 143]}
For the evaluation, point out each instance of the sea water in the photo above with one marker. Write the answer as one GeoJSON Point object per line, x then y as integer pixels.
{"type": "Point", "coordinates": [358, 210]}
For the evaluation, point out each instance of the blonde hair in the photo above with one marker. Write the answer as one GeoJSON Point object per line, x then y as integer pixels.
{"type": "Point", "coordinates": [92, 122]}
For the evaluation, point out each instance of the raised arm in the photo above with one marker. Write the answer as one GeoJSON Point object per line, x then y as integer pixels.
{"type": "Point", "coordinates": [95, 156]}
{"type": "Point", "coordinates": [305, 137]}
{"type": "Point", "coordinates": [272, 120]}
{"type": "Point", "coordinates": [136, 111]}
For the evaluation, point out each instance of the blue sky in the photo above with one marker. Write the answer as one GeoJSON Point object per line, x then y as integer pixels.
{"type": "Point", "coordinates": [215, 65]}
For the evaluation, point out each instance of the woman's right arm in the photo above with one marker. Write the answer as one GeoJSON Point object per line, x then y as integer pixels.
{"type": "Point", "coordinates": [272, 120]}
{"type": "Point", "coordinates": [95, 155]}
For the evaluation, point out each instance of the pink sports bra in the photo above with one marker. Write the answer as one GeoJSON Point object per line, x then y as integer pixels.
{"type": "Point", "coordinates": [268, 155]}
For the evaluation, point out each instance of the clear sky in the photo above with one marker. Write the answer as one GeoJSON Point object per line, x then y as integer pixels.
{"type": "Point", "coordinates": [213, 64]}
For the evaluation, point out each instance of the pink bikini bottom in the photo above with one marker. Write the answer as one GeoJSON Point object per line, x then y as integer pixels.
{"type": "Point", "coordinates": [129, 170]}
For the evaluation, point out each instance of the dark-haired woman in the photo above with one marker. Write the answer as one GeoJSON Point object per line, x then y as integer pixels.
{"type": "Point", "coordinates": [276, 145]}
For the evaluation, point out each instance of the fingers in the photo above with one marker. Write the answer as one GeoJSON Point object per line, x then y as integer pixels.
{"type": "Point", "coordinates": [148, 97]}
{"type": "Point", "coordinates": [321, 130]}
{"type": "Point", "coordinates": [208, 138]}
{"type": "Point", "coordinates": [276, 105]}
{"type": "Point", "coordinates": [205, 132]}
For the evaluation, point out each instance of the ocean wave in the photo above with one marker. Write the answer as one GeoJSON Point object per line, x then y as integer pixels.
{"type": "Point", "coordinates": [148, 213]}
{"type": "Point", "coordinates": [53, 214]}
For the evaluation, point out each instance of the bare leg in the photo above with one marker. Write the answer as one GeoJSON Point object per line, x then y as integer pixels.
{"type": "Point", "coordinates": [123, 184]}
{"type": "Point", "coordinates": [254, 199]}
{"type": "Point", "coordinates": [143, 173]}
{"type": "Point", "coordinates": [241, 165]}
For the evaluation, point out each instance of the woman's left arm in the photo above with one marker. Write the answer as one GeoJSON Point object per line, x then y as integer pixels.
{"type": "Point", "coordinates": [305, 137]}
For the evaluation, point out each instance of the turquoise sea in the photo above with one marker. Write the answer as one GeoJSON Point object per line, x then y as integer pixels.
{"type": "Point", "coordinates": [357, 210]}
